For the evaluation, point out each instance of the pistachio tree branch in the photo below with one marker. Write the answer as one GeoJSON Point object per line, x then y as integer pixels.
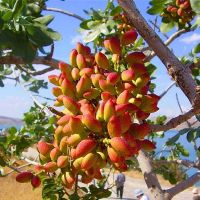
{"type": "Point", "coordinates": [35, 73]}
{"type": "Point", "coordinates": [174, 122]}
{"type": "Point", "coordinates": [184, 185]}
{"type": "Point", "coordinates": [64, 12]}
{"type": "Point", "coordinates": [38, 60]}
{"type": "Point", "coordinates": [150, 177]}
{"type": "Point", "coordinates": [175, 68]}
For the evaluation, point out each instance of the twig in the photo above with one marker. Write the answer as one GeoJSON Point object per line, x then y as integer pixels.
{"type": "Point", "coordinates": [50, 55]}
{"type": "Point", "coordinates": [37, 72]}
{"type": "Point", "coordinates": [13, 168]}
{"type": "Point", "coordinates": [20, 167]}
{"type": "Point", "coordinates": [184, 184]}
{"type": "Point", "coordinates": [158, 28]}
{"type": "Point", "coordinates": [31, 162]}
{"type": "Point", "coordinates": [56, 112]}
{"type": "Point", "coordinates": [179, 105]}
{"type": "Point", "coordinates": [11, 78]}
{"type": "Point", "coordinates": [176, 35]}
{"type": "Point", "coordinates": [47, 98]}
{"type": "Point", "coordinates": [169, 41]}
{"type": "Point", "coordinates": [38, 60]}
{"type": "Point", "coordinates": [174, 122]}
{"type": "Point", "coordinates": [65, 13]}
{"type": "Point", "coordinates": [34, 99]}
{"type": "Point", "coordinates": [167, 89]}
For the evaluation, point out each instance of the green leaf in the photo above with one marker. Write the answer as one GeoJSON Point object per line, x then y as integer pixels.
{"type": "Point", "coordinates": [193, 135]}
{"type": "Point", "coordinates": [152, 87]}
{"type": "Point", "coordinates": [151, 68]}
{"type": "Point", "coordinates": [17, 9]}
{"type": "Point", "coordinates": [155, 10]}
{"type": "Point", "coordinates": [33, 9]}
{"type": "Point", "coordinates": [38, 36]}
{"type": "Point", "coordinates": [47, 19]}
{"type": "Point", "coordinates": [159, 2]}
{"type": "Point", "coordinates": [196, 23]}
{"type": "Point", "coordinates": [116, 10]}
{"type": "Point", "coordinates": [7, 16]}
{"type": "Point", "coordinates": [195, 4]}
{"type": "Point", "coordinates": [110, 23]}
{"type": "Point", "coordinates": [84, 24]}
{"type": "Point", "coordinates": [52, 34]}
{"type": "Point", "coordinates": [183, 151]}
{"type": "Point", "coordinates": [166, 27]}
{"type": "Point", "coordinates": [12, 130]}
{"type": "Point", "coordinates": [92, 36]}
{"type": "Point", "coordinates": [138, 43]}
{"type": "Point", "coordinates": [110, 5]}
{"type": "Point", "coordinates": [196, 49]}
{"type": "Point", "coordinates": [161, 119]}
{"type": "Point", "coordinates": [84, 189]}
{"type": "Point", "coordinates": [7, 71]}
{"type": "Point", "coordinates": [172, 140]}
{"type": "Point", "coordinates": [172, 178]}
{"type": "Point", "coordinates": [104, 29]}
{"type": "Point", "coordinates": [94, 24]}
{"type": "Point", "coordinates": [74, 197]}
{"type": "Point", "coordinates": [157, 6]}
{"type": "Point", "coordinates": [96, 15]}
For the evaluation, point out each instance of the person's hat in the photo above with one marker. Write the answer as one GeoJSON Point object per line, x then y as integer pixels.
{"type": "Point", "coordinates": [195, 191]}
{"type": "Point", "coordinates": [138, 192]}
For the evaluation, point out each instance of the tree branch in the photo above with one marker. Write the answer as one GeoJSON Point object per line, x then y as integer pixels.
{"type": "Point", "coordinates": [36, 73]}
{"type": "Point", "coordinates": [38, 60]}
{"type": "Point", "coordinates": [175, 68]}
{"type": "Point", "coordinates": [174, 122]}
{"type": "Point", "coordinates": [184, 185]}
{"type": "Point", "coordinates": [149, 176]}
{"type": "Point", "coordinates": [64, 12]}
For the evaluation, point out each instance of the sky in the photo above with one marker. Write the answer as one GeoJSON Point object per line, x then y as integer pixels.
{"type": "Point", "coordinates": [14, 101]}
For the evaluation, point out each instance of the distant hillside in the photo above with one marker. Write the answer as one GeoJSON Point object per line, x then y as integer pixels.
{"type": "Point", "coordinates": [8, 121]}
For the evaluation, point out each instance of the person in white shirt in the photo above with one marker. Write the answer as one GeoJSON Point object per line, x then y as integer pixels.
{"type": "Point", "coordinates": [139, 194]}
{"type": "Point", "coordinates": [119, 182]}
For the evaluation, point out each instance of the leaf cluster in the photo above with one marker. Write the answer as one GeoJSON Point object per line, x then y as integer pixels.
{"type": "Point", "coordinates": [36, 126]}
{"type": "Point", "coordinates": [23, 28]}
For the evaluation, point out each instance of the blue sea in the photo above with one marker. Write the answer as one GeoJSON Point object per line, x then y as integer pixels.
{"type": "Point", "coordinates": [161, 142]}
